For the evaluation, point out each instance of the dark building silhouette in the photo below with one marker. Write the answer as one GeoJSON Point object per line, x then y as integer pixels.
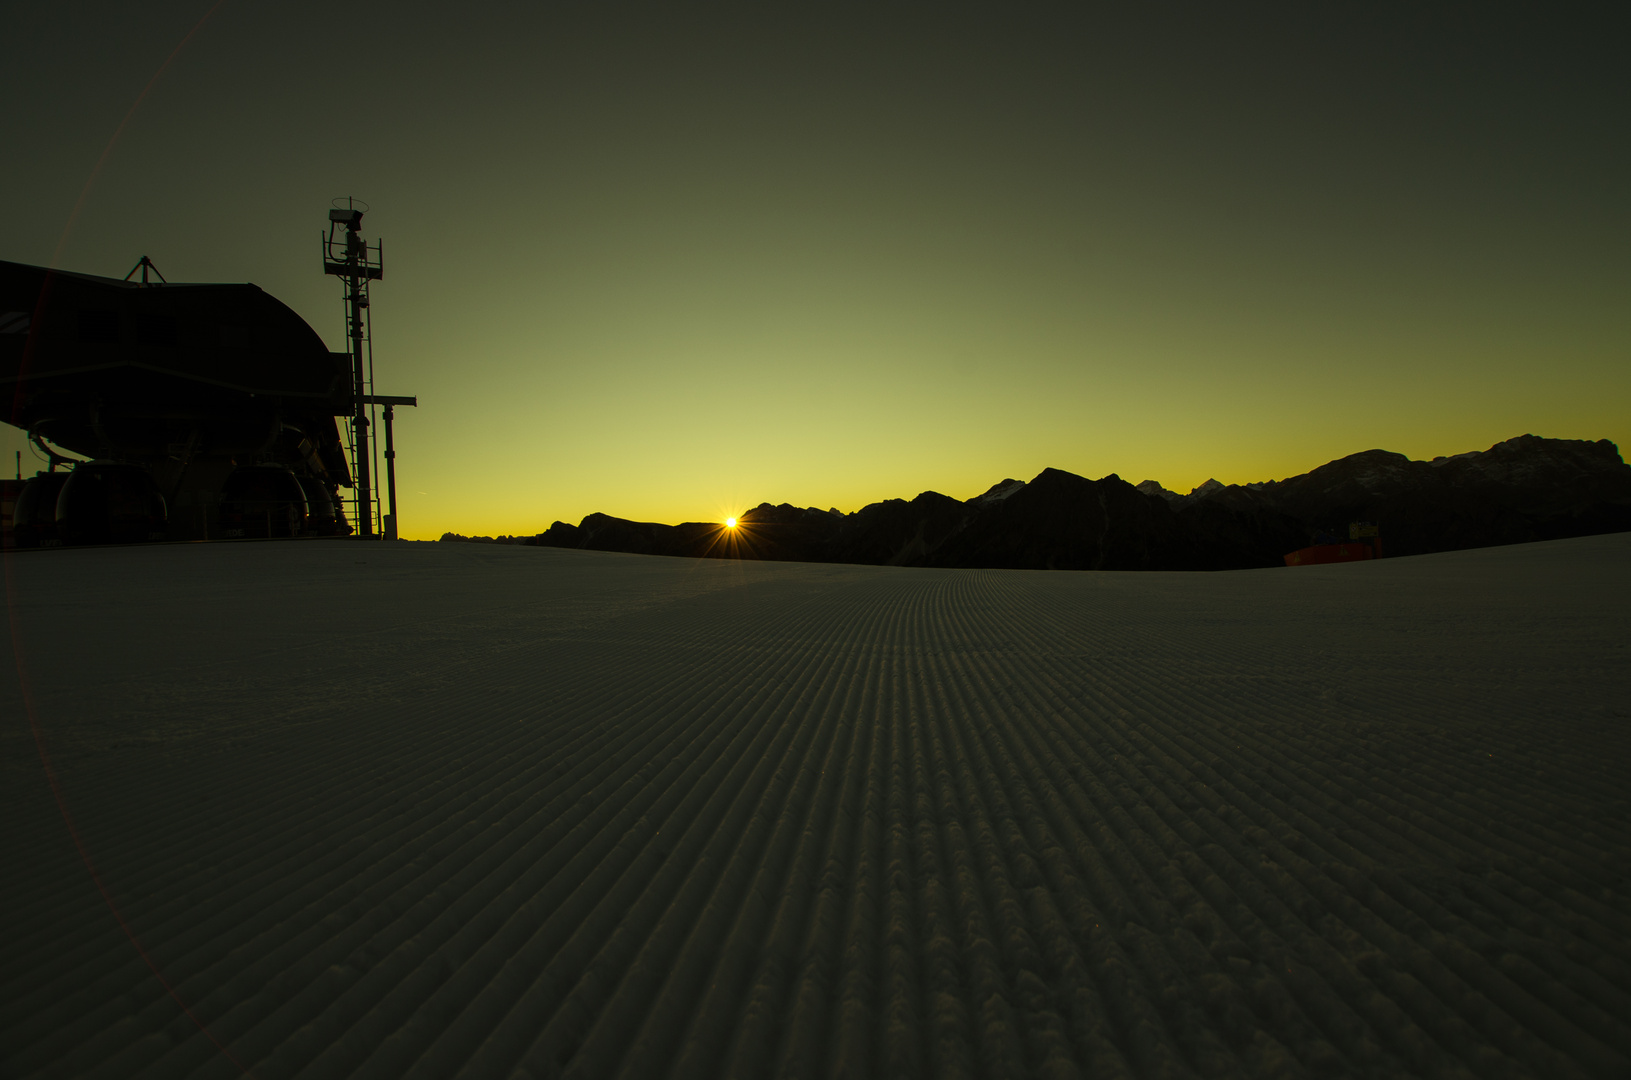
{"type": "Point", "coordinates": [189, 381]}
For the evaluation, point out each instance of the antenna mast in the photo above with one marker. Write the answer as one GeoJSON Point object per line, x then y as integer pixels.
{"type": "Point", "coordinates": [353, 260]}
{"type": "Point", "coordinates": [144, 266]}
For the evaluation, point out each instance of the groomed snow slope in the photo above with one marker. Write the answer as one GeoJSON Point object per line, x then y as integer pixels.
{"type": "Point", "coordinates": [440, 809]}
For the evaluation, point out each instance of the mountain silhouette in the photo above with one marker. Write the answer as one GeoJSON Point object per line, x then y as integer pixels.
{"type": "Point", "coordinates": [1523, 489]}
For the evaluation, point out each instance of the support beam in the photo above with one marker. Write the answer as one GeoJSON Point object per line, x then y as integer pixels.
{"type": "Point", "coordinates": [390, 401]}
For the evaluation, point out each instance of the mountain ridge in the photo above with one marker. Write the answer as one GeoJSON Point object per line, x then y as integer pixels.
{"type": "Point", "coordinates": [1522, 489]}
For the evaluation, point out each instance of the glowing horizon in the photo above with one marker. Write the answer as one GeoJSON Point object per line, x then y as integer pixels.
{"type": "Point", "coordinates": [665, 268]}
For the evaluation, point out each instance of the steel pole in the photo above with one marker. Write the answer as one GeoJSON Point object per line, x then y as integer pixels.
{"type": "Point", "coordinates": [355, 252]}
{"type": "Point", "coordinates": [390, 476]}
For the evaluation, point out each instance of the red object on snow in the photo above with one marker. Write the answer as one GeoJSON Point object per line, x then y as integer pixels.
{"type": "Point", "coordinates": [1352, 551]}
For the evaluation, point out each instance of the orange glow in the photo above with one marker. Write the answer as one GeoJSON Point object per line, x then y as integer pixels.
{"type": "Point", "coordinates": [730, 523]}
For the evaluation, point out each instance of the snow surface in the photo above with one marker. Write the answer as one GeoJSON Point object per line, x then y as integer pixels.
{"type": "Point", "coordinates": [455, 809]}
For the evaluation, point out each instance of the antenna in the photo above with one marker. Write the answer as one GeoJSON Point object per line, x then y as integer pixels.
{"type": "Point", "coordinates": [144, 266]}
{"type": "Point", "coordinates": [351, 259]}
{"type": "Point", "coordinates": [356, 262]}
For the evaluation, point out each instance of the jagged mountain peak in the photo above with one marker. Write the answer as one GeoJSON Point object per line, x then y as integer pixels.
{"type": "Point", "coordinates": [1211, 485]}
{"type": "Point", "coordinates": [998, 491]}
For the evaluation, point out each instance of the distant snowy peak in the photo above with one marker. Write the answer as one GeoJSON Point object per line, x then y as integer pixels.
{"type": "Point", "coordinates": [1153, 489]}
{"type": "Point", "coordinates": [998, 492]}
{"type": "Point", "coordinates": [1531, 461]}
{"type": "Point", "coordinates": [1527, 462]}
{"type": "Point", "coordinates": [1374, 470]}
{"type": "Point", "coordinates": [1206, 489]}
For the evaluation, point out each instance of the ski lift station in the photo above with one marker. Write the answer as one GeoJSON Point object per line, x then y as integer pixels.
{"type": "Point", "coordinates": [169, 411]}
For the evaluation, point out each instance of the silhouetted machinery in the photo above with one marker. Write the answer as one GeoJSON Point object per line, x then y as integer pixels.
{"type": "Point", "coordinates": [204, 411]}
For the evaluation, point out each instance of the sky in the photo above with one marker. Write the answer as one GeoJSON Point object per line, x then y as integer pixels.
{"type": "Point", "coordinates": [670, 261]}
